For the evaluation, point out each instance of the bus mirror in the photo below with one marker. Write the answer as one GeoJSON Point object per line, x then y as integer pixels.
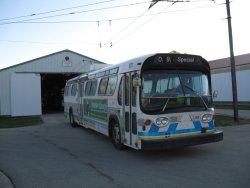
{"type": "Point", "coordinates": [215, 94]}
{"type": "Point", "coordinates": [136, 81]}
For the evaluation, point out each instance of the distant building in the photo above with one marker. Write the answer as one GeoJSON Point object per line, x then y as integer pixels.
{"type": "Point", "coordinates": [35, 86]}
{"type": "Point", "coordinates": [221, 78]}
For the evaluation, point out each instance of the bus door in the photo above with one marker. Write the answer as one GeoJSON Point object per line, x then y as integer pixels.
{"type": "Point", "coordinates": [81, 91]}
{"type": "Point", "coordinates": [130, 116]}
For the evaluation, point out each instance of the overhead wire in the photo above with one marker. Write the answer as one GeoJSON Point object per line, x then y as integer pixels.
{"type": "Point", "coordinates": [58, 10]}
{"type": "Point", "coordinates": [123, 29]}
{"type": "Point", "coordinates": [121, 18]}
{"type": "Point", "coordinates": [77, 12]}
{"type": "Point", "coordinates": [73, 13]}
{"type": "Point", "coordinates": [99, 31]}
{"type": "Point", "coordinates": [139, 27]}
{"type": "Point", "coordinates": [117, 19]}
{"type": "Point", "coordinates": [154, 16]}
{"type": "Point", "coordinates": [127, 26]}
{"type": "Point", "coordinates": [48, 43]}
{"type": "Point", "coordinates": [145, 22]}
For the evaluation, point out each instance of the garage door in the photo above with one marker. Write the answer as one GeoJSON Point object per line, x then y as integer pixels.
{"type": "Point", "coordinates": [25, 94]}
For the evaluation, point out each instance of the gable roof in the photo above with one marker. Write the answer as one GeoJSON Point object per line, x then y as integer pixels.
{"type": "Point", "coordinates": [66, 50]}
{"type": "Point", "coordinates": [226, 63]}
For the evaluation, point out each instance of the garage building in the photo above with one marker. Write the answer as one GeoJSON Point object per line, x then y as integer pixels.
{"type": "Point", "coordinates": [36, 86]}
{"type": "Point", "coordinates": [222, 82]}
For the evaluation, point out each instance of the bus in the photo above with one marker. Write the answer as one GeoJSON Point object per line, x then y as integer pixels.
{"type": "Point", "coordinates": [156, 101]}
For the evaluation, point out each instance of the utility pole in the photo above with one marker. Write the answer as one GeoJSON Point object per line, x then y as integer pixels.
{"type": "Point", "coordinates": [233, 71]}
{"type": "Point", "coordinates": [232, 60]}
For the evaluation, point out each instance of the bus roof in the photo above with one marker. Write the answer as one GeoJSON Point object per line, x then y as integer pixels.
{"type": "Point", "coordinates": [126, 66]}
{"type": "Point", "coordinates": [131, 64]}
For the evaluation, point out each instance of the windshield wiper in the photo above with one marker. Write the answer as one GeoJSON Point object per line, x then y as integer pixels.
{"type": "Point", "coordinates": [165, 105]}
{"type": "Point", "coordinates": [196, 93]}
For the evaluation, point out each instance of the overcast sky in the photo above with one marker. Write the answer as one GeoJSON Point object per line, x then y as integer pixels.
{"type": "Point", "coordinates": [116, 30]}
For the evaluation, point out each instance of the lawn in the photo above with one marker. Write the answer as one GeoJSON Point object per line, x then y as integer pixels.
{"type": "Point", "coordinates": [230, 106]}
{"type": "Point", "coordinates": [221, 120]}
{"type": "Point", "coordinates": [13, 122]}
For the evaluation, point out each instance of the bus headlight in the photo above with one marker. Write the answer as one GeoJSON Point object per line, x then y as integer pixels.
{"type": "Point", "coordinates": [161, 121]}
{"type": "Point", "coordinates": [207, 118]}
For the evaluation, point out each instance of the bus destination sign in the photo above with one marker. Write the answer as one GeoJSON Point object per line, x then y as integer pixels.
{"type": "Point", "coordinates": [175, 59]}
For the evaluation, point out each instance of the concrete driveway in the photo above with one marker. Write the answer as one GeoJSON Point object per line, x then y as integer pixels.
{"type": "Point", "coordinates": [55, 155]}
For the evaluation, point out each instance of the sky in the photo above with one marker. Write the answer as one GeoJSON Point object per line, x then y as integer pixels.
{"type": "Point", "coordinates": [113, 31]}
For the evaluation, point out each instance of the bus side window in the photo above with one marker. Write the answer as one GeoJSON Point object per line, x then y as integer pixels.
{"type": "Point", "coordinates": [87, 88]}
{"type": "Point", "coordinates": [90, 88]}
{"type": "Point", "coordinates": [81, 88]}
{"type": "Point", "coordinates": [119, 97]}
{"type": "Point", "coordinates": [73, 90]}
{"type": "Point", "coordinates": [102, 86]}
{"type": "Point", "coordinates": [93, 87]}
{"type": "Point", "coordinates": [111, 85]}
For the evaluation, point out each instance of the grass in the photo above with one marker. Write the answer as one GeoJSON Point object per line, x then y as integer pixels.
{"type": "Point", "coordinates": [13, 122]}
{"type": "Point", "coordinates": [230, 106]}
{"type": "Point", "coordinates": [221, 120]}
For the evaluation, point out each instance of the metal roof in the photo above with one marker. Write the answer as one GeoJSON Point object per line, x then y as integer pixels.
{"type": "Point", "coordinates": [225, 62]}
{"type": "Point", "coordinates": [66, 50]}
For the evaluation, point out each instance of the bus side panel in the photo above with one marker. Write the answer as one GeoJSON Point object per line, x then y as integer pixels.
{"type": "Point", "coordinates": [95, 115]}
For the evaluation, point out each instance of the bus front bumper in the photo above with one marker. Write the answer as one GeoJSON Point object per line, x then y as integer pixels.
{"type": "Point", "coordinates": [176, 142]}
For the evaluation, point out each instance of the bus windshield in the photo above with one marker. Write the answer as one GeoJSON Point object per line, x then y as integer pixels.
{"type": "Point", "coordinates": [165, 91]}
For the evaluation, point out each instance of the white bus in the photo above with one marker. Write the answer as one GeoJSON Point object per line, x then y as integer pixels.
{"type": "Point", "coordinates": [157, 101]}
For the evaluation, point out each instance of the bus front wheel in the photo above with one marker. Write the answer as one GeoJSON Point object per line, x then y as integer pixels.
{"type": "Point", "coordinates": [116, 136]}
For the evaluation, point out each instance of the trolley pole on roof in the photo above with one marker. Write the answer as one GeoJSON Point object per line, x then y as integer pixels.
{"type": "Point", "coordinates": [233, 71]}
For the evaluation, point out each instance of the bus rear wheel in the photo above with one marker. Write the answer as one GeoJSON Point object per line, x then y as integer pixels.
{"type": "Point", "coordinates": [116, 136]}
{"type": "Point", "coordinates": [71, 120]}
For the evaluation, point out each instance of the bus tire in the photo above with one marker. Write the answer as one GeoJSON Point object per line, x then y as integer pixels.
{"type": "Point", "coordinates": [71, 119]}
{"type": "Point", "coordinates": [116, 136]}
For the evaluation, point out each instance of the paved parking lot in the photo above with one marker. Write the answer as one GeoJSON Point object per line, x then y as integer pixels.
{"type": "Point", "coordinates": [55, 155]}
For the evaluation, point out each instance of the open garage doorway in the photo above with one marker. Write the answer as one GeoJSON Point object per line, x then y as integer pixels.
{"type": "Point", "coordinates": [52, 89]}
